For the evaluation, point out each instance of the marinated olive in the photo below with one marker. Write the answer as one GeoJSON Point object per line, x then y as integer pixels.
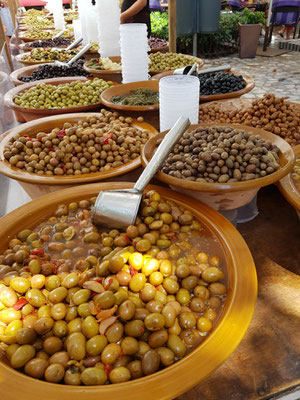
{"type": "Point", "coordinates": [150, 362]}
{"type": "Point", "coordinates": [93, 376]}
{"type": "Point", "coordinates": [22, 355]}
{"type": "Point", "coordinates": [36, 367]}
{"type": "Point", "coordinates": [75, 344]}
{"type": "Point", "coordinates": [96, 344]}
{"type": "Point", "coordinates": [119, 374]}
{"type": "Point", "coordinates": [54, 373]}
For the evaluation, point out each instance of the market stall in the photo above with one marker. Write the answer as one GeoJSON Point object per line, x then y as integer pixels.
{"type": "Point", "coordinates": [199, 290]}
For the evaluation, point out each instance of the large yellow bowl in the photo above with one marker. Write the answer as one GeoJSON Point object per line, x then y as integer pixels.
{"type": "Point", "coordinates": [181, 376]}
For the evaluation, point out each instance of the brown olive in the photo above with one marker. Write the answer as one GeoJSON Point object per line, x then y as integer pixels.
{"type": "Point", "coordinates": [119, 374]}
{"type": "Point", "coordinates": [22, 355]}
{"type": "Point", "coordinates": [167, 357]}
{"type": "Point", "coordinates": [54, 373]}
{"type": "Point", "coordinates": [43, 325]}
{"type": "Point", "coordinates": [115, 332]}
{"type": "Point", "coordinates": [150, 362]}
{"type": "Point", "coordinates": [36, 367]}
{"type": "Point", "coordinates": [72, 377]}
{"type": "Point", "coordinates": [135, 368]}
{"type": "Point", "coordinates": [187, 320]}
{"type": "Point", "coordinates": [52, 345]}
{"type": "Point", "coordinates": [197, 305]}
{"type": "Point", "coordinates": [89, 327]}
{"type": "Point", "coordinates": [190, 337]}
{"type": "Point", "coordinates": [158, 338]}
{"type": "Point", "coordinates": [61, 357]}
{"type": "Point", "coordinates": [25, 336]}
{"type": "Point", "coordinates": [96, 344]}
{"type": "Point", "coordinates": [212, 274]}
{"type": "Point", "coordinates": [154, 321]}
{"type": "Point", "coordinates": [176, 345]}
{"type": "Point", "coordinates": [129, 345]}
{"type": "Point", "coordinates": [134, 328]}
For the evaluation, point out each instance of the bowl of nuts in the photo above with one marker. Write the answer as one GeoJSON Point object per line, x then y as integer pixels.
{"type": "Point", "coordinates": [273, 114]}
{"type": "Point", "coordinates": [73, 148]}
{"type": "Point", "coordinates": [223, 165]}
{"type": "Point", "coordinates": [119, 314]}
{"type": "Point", "coordinates": [219, 85]}
{"type": "Point", "coordinates": [55, 96]}
{"type": "Point", "coordinates": [38, 72]}
{"type": "Point", "coordinates": [290, 184]}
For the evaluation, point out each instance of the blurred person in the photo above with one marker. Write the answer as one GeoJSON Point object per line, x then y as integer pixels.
{"type": "Point", "coordinates": [6, 19]}
{"type": "Point", "coordinates": [154, 5]}
{"type": "Point", "coordinates": [286, 19]}
{"type": "Point", "coordinates": [136, 11]}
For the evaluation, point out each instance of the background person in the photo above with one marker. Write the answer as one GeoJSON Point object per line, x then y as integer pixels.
{"type": "Point", "coordinates": [136, 11]}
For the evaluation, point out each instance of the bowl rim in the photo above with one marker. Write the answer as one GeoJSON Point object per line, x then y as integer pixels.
{"type": "Point", "coordinates": [9, 96]}
{"type": "Point", "coordinates": [101, 72]}
{"type": "Point", "coordinates": [224, 338]}
{"type": "Point", "coordinates": [27, 39]}
{"type": "Point", "coordinates": [287, 187]}
{"type": "Point", "coordinates": [35, 126]}
{"type": "Point", "coordinates": [129, 86]}
{"type": "Point", "coordinates": [225, 187]}
{"type": "Point", "coordinates": [19, 57]}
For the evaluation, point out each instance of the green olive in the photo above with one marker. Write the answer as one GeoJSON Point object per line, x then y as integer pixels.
{"type": "Point", "coordinates": [135, 369]}
{"type": "Point", "coordinates": [83, 310]}
{"type": "Point", "coordinates": [176, 345]}
{"type": "Point", "coordinates": [127, 310]}
{"type": "Point", "coordinates": [110, 353]}
{"type": "Point", "coordinates": [58, 295]}
{"type": "Point", "coordinates": [114, 333]}
{"type": "Point", "coordinates": [22, 355]}
{"type": "Point", "coordinates": [187, 320]}
{"type": "Point", "coordinates": [74, 325]}
{"type": "Point", "coordinates": [105, 300]}
{"type": "Point", "coordinates": [167, 357]}
{"type": "Point", "coordinates": [60, 328]}
{"type": "Point", "coordinates": [134, 328]}
{"type": "Point", "coordinates": [89, 327]}
{"type": "Point", "coordinates": [96, 344]}
{"type": "Point", "coordinates": [93, 376]}
{"type": "Point", "coordinates": [13, 327]}
{"type": "Point", "coordinates": [38, 281]}
{"type": "Point", "coordinates": [129, 345]}
{"type": "Point", "coordinates": [75, 344]}
{"type": "Point", "coordinates": [183, 296]}
{"type": "Point", "coordinates": [44, 312]}
{"type": "Point", "coordinates": [52, 345]}
{"type": "Point", "coordinates": [8, 296]}
{"type": "Point", "coordinates": [137, 282]}
{"type": "Point", "coordinates": [20, 285]}
{"type": "Point", "coordinates": [35, 297]}
{"type": "Point", "coordinates": [154, 321]}
{"type": "Point", "coordinates": [171, 285]}
{"type": "Point", "coordinates": [169, 314]}
{"type": "Point", "coordinates": [211, 274]}
{"type": "Point", "coordinates": [72, 377]}
{"type": "Point", "coordinates": [9, 314]}
{"type": "Point", "coordinates": [58, 311]}
{"type": "Point", "coordinates": [71, 280]}
{"type": "Point", "coordinates": [158, 338]}
{"type": "Point", "coordinates": [119, 374]}
{"type": "Point", "coordinates": [81, 296]}
{"type": "Point", "coordinates": [52, 282]}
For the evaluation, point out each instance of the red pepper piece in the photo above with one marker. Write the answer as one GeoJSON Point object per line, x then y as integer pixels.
{"type": "Point", "coordinates": [142, 329]}
{"type": "Point", "coordinates": [20, 303]}
{"type": "Point", "coordinates": [107, 368]}
{"type": "Point", "coordinates": [132, 271]}
{"type": "Point", "coordinates": [27, 269]}
{"type": "Point", "coordinates": [51, 148]}
{"type": "Point", "coordinates": [63, 167]}
{"type": "Point", "coordinates": [61, 133]}
{"type": "Point", "coordinates": [110, 281]}
{"type": "Point", "coordinates": [105, 141]}
{"type": "Point", "coordinates": [54, 270]}
{"type": "Point", "coordinates": [39, 252]}
{"type": "Point", "coordinates": [99, 280]}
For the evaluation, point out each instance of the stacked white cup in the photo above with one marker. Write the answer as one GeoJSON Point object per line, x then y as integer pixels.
{"type": "Point", "coordinates": [134, 56]}
{"type": "Point", "coordinates": [77, 28]}
{"type": "Point", "coordinates": [84, 12]}
{"type": "Point", "coordinates": [108, 22]}
{"type": "Point", "coordinates": [178, 95]}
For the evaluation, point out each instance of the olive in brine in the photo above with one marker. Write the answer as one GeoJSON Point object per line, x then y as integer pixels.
{"type": "Point", "coordinates": [93, 376]}
{"type": "Point", "coordinates": [119, 374]}
{"type": "Point", "coordinates": [150, 362]}
{"type": "Point", "coordinates": [76, 346]}
{"type": "Point", "coordinates": [35, 297]}
{"type": "Point", "coordinates": [72, 377]}
{"type": "Point", "coordinates": [36, 368]}
{"type": "Point", "coordinates": [22, 355]}
{"type": "Point", "coordinates": [176, 345]}
{"type": "Point", "coordinates": [8, 296]}
{"type": "Point", "coordinates": [96, 344]}
{"type": "Point", "coordinates": [54, 373]}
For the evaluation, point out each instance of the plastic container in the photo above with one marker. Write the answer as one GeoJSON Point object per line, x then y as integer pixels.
{"type": "Point", "coordinates": [248, 212]}
{"type": "Point", "coordinates": [178, 95]}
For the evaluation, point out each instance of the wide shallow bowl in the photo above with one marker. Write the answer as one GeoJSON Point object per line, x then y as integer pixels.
{"type": "Point", "coordinates": [26, 71]}
{"type": "Point", "coordinates": [205, 98]}
{"type": "Point", "coordinates": [25, 46]}
{"type": "Point", "coordinates": [19, 58]}
{"type": "Point", "coordinates": [225, 196]}
{"type": "Point", "coordinates": [46, 125]}
{"type": "Point", "coordinates": [23, 27]}
{"type": "Point", "coordinates": [288, 188]}
{"type": "Point", "coordinates": [150, 113]}
{"type": "Point", "coordinates": [113, 75]}
{"type": "Point", "coordinates": [170, 72]}
{"type": "Point", "coordinates": [28, 114]}
{"type": "Point", "coordinates": [27, 39]}
{"type": "Point", "coordinates": [181, 376]}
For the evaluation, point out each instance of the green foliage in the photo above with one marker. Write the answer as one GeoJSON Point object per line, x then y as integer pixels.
{"type": "Point", "coordinates": [252, 17]}
{"type": "Point", "coordinates": [160, 25]}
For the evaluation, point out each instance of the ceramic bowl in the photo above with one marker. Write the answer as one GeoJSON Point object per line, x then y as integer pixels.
{"type": "Point", "coordinates": [225, 196]}
{"type": "Point", "coordinates": [28, 114]}
{"type": "Point", "coordinates": [184, 374]}
{"type": "Point", "coordinates": [149, 113]}
{"type": "Point", "coordinates": [19, 58]}
{"type": "Point", "coordinates": [199, 60]}
{"type": "Point", "coordinates": [113, 75]}
{"type": "Point", "coordinates": [205, 98]}
{"type": "Point", "coordinates": [27, 39]}
{"type": "Point", "coordinates": [46, 125]}
{"type": "Point", "coordinates": [25, 71]}
{"type": "Point", "coordinates": [288, 188]}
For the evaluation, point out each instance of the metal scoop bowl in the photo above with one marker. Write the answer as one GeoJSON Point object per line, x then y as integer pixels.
{"type": "Point", "coordinates": [75, 58]}
{"type": "Point", "coordinates": [119, 208]}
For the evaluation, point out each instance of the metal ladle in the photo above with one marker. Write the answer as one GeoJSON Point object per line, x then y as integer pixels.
{"type": "Point", "coordinates": [118, 208]}
{"type": "Point", "coordinates": [75, 58]}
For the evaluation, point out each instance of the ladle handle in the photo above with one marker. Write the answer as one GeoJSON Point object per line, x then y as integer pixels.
{"type": "Point", "coordinates": [193, 69]}
{"type": "Point", "coordinates": [59, 34]}
{"type": "Point", "coordinates": [75, 43]}
{"type": "Point", "coordinates": [225, 67]}
{"type": "Point", "coordinates": [166, 146]}
{"type": "Point", "coordinates": [78, 55]}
